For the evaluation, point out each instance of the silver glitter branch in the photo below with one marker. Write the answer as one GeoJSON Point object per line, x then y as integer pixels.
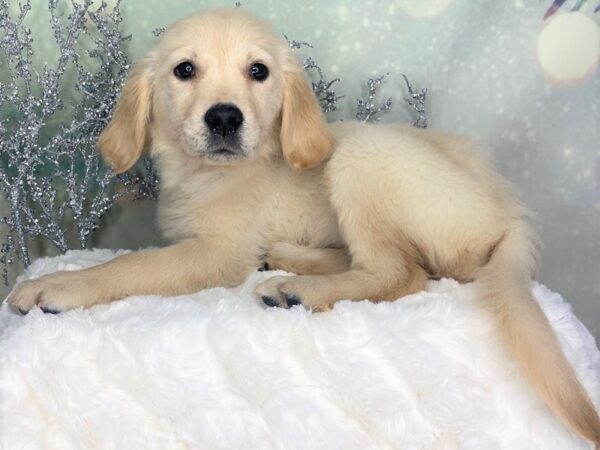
{"type": "Point", "coordinates": [158, 31]}
{"type": "Point", "coordinates": [322, 88]}
{"type": "Point", "coordinates": [296, 44]}
{"type": "Point", "coordinates": [417, 101]}
{"type": "Point", "coordinates": [51, 174]}
{"type": "Point", "coordinates": [366, 110]}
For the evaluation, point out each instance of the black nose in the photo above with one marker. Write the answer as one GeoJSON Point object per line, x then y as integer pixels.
{"type": "Point", "coordinates": [223, 119]}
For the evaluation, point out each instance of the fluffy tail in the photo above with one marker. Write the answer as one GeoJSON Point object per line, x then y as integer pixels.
{"type": "Point", "coordinates": [505, 283]}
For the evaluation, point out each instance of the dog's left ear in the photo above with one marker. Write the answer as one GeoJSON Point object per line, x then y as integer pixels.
{"type": "Point", "coordinates": [305, 139]}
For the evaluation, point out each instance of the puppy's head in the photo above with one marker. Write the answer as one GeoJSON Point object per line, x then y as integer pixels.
{"type": "Point", "coordinates": [220, 88]}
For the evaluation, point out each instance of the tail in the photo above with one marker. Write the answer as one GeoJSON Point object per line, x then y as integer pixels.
{"type": "Point", "coordinates": [505, 285]}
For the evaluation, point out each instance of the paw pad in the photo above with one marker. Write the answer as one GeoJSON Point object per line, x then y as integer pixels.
{"type": "Point", "coordinates": [269, 301]}
{"type": "Point", "coordinates": [292, 299]}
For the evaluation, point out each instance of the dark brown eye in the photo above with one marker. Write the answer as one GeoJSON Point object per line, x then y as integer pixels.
{"type": "Point", "coordinates": [259, 72]}
{"type": "Point", "coordinates": [185, 70]}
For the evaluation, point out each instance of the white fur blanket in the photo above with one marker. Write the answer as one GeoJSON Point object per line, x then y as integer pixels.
{"type": "Point", "coordinates": [219, 370]}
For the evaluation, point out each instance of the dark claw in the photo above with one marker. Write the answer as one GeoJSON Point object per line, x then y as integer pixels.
{"type": "Point", "coordinates": [22, 311]}
{"type": "Point", "coordinates": [49, 310]}
{"type": "Point", "coordinates": [269, 301]}
{"type": "Point", "coordinates": [292, 300]}
{"type": "Point", "coordinates": [264, 267]}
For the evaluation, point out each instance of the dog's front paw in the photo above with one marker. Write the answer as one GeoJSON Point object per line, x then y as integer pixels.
{"type": "Point", "coordinates": [55, 292]}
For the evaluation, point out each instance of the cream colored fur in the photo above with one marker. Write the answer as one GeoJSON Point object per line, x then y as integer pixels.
{"type": "Point", "coordinates": [373, 216]}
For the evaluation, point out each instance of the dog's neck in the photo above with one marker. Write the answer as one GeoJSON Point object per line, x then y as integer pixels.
{"type": "Point", "coordinates": [182, 174]}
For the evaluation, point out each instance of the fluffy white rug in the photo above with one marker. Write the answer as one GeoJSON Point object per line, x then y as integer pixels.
{"type": "Point", "coordinates": [219, 370]}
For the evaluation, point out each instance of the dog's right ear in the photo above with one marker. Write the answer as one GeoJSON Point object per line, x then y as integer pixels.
{"type": "Point", "coordinates": [126, 136]}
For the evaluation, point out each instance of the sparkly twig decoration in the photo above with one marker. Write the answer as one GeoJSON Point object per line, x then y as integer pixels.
{"type": "Point", "coordinates": [366, 110]}
{"type": "Point", "coordinates": [158, 31]}
{"type": "Point", "coordinates": [322, 88]}
{"type": "Point", "coordinates": [296, 44]}
{"type": "Point", "coordinates": [417, 102]}
{"type": "Point", "coordinates": [51, 174]}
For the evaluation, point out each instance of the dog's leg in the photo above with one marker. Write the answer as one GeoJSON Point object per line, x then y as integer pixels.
{"type": "Point", "coordinates": [381, 270]}
{"type": "Point", "coordinates": [320, 292]}
{"type": "Point", "coordinates": [182, 268]}
{"type": "Point", "coordinates": [385, 262]}
{"type": "Point", "coordinates": [303, 260]}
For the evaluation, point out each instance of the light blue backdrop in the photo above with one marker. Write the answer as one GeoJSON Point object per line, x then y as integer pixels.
{"type": "Point", "coordinates": [481, 63]}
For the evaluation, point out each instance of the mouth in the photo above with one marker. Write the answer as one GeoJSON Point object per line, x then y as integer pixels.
{"type": "Point", "coordinates": [224, 152]}
{"type": "Point", "coordinates": [216, 149]}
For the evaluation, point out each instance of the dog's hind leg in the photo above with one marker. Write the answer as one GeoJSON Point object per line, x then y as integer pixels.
{"type": "Point", "coordinates": [303, 260]}
{"type": "Point", "coordinates": [320, 292]}
{"type": "Point", "coordinates": [387, 277]}
{"type": "Point", "coordinates": [369, 200]}
{"type": "Point", "coordinates": [381, 269]}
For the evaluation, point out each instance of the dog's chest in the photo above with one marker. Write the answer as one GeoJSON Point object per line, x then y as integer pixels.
{"type": "Point", "coordinates": [280, 205]}
{"type": "Point", "coordinates": [181, 204]}
{"type": "Point", "coordinates": [301, 212]}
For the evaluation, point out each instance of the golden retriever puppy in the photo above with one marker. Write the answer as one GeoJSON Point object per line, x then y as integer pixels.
{"type": "Point", "coordinates": [251, 172]}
